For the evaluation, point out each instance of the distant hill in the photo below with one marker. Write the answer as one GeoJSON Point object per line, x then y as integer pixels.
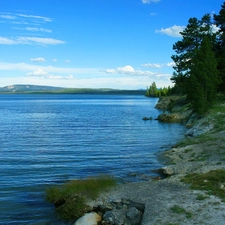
{"type": "Point", "coordinates": [35, 89]}
{"type": "Point", "coordinates": [20, 88]}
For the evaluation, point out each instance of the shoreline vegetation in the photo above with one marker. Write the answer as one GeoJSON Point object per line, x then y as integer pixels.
{"type": "Point", "coordinates": [193, 191]}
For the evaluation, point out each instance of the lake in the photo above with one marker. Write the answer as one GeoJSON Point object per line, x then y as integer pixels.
{"type": "Point", "coordinates": [49, 139]}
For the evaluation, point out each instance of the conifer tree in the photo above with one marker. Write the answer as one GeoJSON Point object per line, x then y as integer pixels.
{"type": "Point", "coordinates": [186, 49]}
{"type": "Point", "coordinates": [195, 94]}
{"type": "Point", "coordinates": [204, 77]}
{"type": "Point", "coordinates": [220, 47]}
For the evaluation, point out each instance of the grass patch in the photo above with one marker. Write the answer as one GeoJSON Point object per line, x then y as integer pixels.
{"type": "Point", "coordinates": [218, 110]}
{"type": "Point", "coordinates": [188, 150]}
{"type": "Point", "coordinates": [201, 197]}
{"type": "Point", "coordinates": [212, 182]}
{"type": "Point", "coordinates": [180, 210]}
{"type": "Point", "coordinates": [70, 198]}
{"type": "Point", "coordinates": [203, 138]}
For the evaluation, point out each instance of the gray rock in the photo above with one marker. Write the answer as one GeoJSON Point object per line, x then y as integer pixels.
{"type": "Point", "coordinates": [115, 216]}
{"type": "Point", "coordinates": [134, 215]}
{"type": "Point", "coordinates": [124, 212]}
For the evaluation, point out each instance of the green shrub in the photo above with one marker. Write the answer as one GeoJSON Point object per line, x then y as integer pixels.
{"type": "Point", "coordinates": [201, 197]}
{"type": "Point", "coordinates": [70, 198]}
{"type": "Point", "coordinates": [179, 210]}
{"type": "Point", "coordinates": [211, 182]}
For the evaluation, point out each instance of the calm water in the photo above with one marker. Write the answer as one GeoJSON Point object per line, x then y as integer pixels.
{"type": "Point", "coordinates": [48, 139]}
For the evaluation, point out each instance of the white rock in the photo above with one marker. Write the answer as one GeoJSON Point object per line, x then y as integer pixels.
{"type": "Point", "coordinates": [89, 219]}
{"type": "Point", "coordinates": [167, 170]}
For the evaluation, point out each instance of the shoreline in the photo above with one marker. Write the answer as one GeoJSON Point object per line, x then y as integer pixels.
{"type": "Point", "coordinates": [199, 154]}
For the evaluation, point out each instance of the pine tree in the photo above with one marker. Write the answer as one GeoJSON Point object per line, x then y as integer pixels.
{"type": "Point", "coordinates": [195, 94]}
{"type": "Point", "coordinates": [204, 77]}
{"type": "Point", "coordinates": [152, 90]}
{"type": "Point", "coordinates": [220, 48]}
{"type": "Point", "coordinates": [186, 49]}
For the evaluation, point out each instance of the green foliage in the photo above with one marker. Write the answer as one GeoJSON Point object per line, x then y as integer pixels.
{"type": "Point", "coordinates": [211, 182]}
{"type": "Point", "coordinates": [220, 45]}
{"type": "Point", "coordinates": [70, 198]}
{"type": "Point", "coordinates": [185, 48]}
{"type": "Point", "coordinates": [180, 210]}
{"type": "Point", "coordinates": [203, 80]}
{"type": "Point", "coordinates": [200, 59]}
{"type": "Point", "coordinates": [153, 91]}
{"type": "Point", "coordinates": [201, 197]}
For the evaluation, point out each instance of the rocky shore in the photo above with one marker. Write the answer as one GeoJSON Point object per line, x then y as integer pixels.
{"type": "Point", "coordinates": [170, 201]}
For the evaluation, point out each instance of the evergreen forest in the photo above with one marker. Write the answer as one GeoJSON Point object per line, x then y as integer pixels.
{"type": "Point", "coordinates": [199, 62]}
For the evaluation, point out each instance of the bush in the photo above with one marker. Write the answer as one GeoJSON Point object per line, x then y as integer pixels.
{"type": "Point", "coordinates": [70, 198]}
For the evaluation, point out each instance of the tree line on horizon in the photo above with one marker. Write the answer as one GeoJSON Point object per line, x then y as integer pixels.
{"type": "Point", "coordinates": [153, 91]}
{"type": "Point", "coordinates": [199, 62]}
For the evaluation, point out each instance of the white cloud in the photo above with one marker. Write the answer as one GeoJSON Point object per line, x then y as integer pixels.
{"type": "Point", "coordinates": [150, 1]}
{"type": "Point", "coordinates": [152, 65]}
{"type": "Point", "coordinates": [173, 31]}
{"type": "Point", "coordinates": [125, 77]}
{"type": "Point", "coordinates": [126, 69]}
{"type": "Point", "coordinates": [6, 41]}
{"type": "Point", "coordinates": [38, 72]}
{"type": "Point", "coordinates": [67, 61]}
{"type": "Point", "coordinates": [50, 69]}
{"type": "Point", "coordinates": [36, 29]}
{"type": "Point", "coordinates": [42, 18]}
{"type": "Point", "coordinates": [54, 60]}
{"type": "Point", "coordinates": [117, 83]}
{"type": "Point", "coordinates": [171, 64]}
{"type": "Point", "coordinates": [110, 71]}
{"type": "Point", "coordinates": [46, 75]}
{"type": "Point", "coordinates": [129, 70]}
{"type": "Point", "coordinates": [30, 41]}
{"type": "Point", "coordinates": [37, 40]}
{"type": "Point", "coordinates": [214, 28]}
{"type": "Point", "coordinates": [42, 73]}
{"type": "Point", "coordinates": [70, 77]}
{"type": "Point", "coordinates": [157, 65]}
{"type": "Point", "coordinates": [7, 16]}
{"type": "Point", "coordinates": [57, 77]}
{"type": "Point", "coordinates": [40, 59]}
{"type": "Point", "coordinates": [24, 18]}
{"type": "Point", "coordinates": [33, 29]}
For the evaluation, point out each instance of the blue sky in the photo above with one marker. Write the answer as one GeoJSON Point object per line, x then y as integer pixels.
{"type": "Point", "coordinates": [122, 44]}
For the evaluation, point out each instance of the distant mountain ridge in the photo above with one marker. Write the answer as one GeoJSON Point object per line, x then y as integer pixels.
{"type": "Point", "coordinates": [26, 89]}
